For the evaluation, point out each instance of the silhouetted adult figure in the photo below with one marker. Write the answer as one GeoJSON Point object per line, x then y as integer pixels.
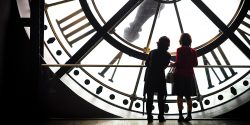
{"type": "Point", "coordinates": [155, 82]}
{"type": "Point", "coordinates": [186, 59]}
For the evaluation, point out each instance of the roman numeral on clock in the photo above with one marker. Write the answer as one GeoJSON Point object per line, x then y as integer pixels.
{"type": "Point", "coordinates": [245, 33]}
{"type": "Point", "coordinates": [221, 70]}
{"type": "Point", "coordinates": [83, 27]}
{"type": "Point", "coordinates": [99, 35]}
{"type": "Point", "coordinates": [225, 29]}
{"type": "Point", "coordinates": [117, 59]}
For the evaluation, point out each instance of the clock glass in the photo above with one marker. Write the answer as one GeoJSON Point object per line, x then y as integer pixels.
{"type": "Point", "coordinates": [110, 39]}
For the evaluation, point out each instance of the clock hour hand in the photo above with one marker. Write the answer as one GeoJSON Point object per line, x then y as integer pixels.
{"type": "Point", "coordinates": [145, 11]}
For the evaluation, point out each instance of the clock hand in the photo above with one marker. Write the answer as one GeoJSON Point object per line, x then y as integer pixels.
{"type": "Point", "coordinates": [153, 25]}
{"type": "Point", "coordinates": [109, 38]}
{"type": "Point", "coordinates": [98, 36]}
{"type": "Point", "coordinates": [230, 34]}
{"type": "Point", "coordinates": [178, 16]}
{"type": "Point", "coordinates": [113, 32]}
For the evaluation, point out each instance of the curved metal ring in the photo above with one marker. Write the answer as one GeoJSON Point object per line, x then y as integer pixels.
{"type": "Point", "coordinates": [167, 1]}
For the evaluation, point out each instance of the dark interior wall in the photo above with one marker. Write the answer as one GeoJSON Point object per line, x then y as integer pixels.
{"type": "Point", "coordinates": [18, 91]}
{"type": "Point", "coordinates": [26, 95]}
{"type": "Point", "coordinates": [5, 12]}
{"type": "Point", "coordinates": [23, 96]}
{"type": "Point", "coordinates": [62, 102]}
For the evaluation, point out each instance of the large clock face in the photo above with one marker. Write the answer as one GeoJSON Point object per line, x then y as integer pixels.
{"type": "Point", "coordinates": [111, 39]}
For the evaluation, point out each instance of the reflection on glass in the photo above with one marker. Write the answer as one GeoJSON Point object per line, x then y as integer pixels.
{"type": "Point", "coordinates": [144, 12]}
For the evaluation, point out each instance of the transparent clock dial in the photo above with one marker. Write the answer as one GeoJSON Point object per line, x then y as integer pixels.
{"type": "Point", "coordinates": [118, 90]}
{"type": "Point", "coordinates": [136, 27]}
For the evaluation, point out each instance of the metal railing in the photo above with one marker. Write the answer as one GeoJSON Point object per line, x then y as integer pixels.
{"type": "Point", "coordinates": [100, 65]}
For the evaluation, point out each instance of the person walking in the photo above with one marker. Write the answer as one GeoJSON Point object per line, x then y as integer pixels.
{"type": "Point", "coordinates": [155, 82]}
{"type": "Point", "coordinates": [184, 85]}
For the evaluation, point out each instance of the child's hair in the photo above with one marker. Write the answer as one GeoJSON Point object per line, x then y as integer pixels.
{"type": "Point", "coordinates": [185, 39]}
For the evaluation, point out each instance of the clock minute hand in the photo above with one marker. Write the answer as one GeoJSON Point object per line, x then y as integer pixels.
{"type": "Point", "coordinates": [153, 25]}
{"type": "Point", "coordinates": [98, 36]}
{"type": "Point", "coordinates": [178, 16]}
